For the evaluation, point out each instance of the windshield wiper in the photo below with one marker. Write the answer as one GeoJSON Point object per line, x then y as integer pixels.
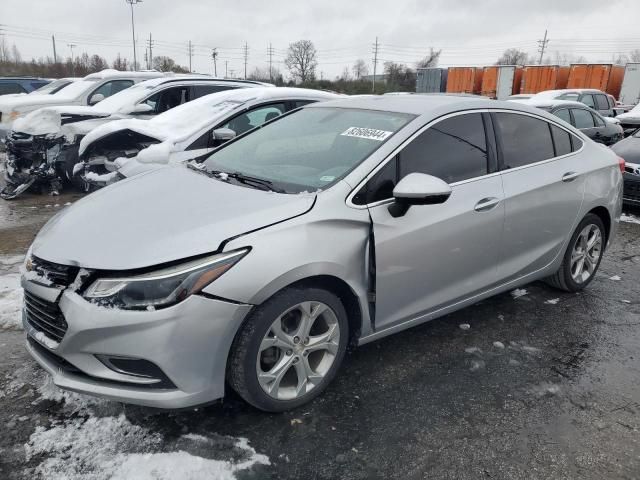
{"type": "Point", "coordinates": [249, 180]}
{"type": "Point", "coordinates": [238, 177]}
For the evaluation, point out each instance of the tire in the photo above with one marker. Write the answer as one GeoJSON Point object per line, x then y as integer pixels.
{"type": "Point", "coordinates": [564, 279]}
{"type": "Point", "coordinates": [249, 359]}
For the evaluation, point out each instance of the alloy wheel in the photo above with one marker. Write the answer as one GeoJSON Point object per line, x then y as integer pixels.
{"type": "Point", "coordinates": [586, 253]}
{"type": "Point", "coordinates": [298, 350]}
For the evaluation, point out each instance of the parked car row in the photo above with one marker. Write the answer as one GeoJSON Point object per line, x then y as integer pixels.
{"type": "Point", "coordinates": [333, 223]}
{"type": "Point", "coordinates": [42, 147]}
{"type": "Point", "coordinates": [502, 81]}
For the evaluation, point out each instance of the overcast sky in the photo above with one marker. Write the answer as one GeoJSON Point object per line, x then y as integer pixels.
{"type": "Point", "coordinates": [469, 32]}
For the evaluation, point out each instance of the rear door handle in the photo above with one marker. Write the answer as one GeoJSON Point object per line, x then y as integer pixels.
{"type": "Point", "coordinates": [570, 176]}
{"type": "Point", "coordinates": [486, 204]}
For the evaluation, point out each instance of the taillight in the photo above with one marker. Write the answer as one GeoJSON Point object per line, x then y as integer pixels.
{"type": "Point", "coordinates": [621, 164]}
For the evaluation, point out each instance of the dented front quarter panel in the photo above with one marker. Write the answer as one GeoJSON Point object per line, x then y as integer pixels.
{"type": "Point", "coordinates": [331, 239]}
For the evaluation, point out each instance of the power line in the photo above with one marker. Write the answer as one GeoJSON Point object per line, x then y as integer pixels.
{"type": "Point", "coordinates": [190, 51]}
{"type": "Point", "coordinates": [133, 31]}
{"type": "Point", "coordinates": [150, 46]}
{"type": "Point", "coordinates": [214, 55]}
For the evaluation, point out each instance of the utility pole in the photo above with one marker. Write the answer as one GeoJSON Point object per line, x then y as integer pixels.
{"type": "Point", "coordinates": [55, 57]}
{"type": "Point", "coordinates": [542, 45]}
{"type": "Point", "coordinates": [246, 57]}
{"type": "Point", "coordinates": [375, 65]}
{"type": "Point", "coordinates": [226, 68]}
{"type": "Point", "coordinates": [73, 66]}
{"type": "Point", "coordinates": [190, 55]}
{"type": "Point", "coordinates": [214, 55]}
{"type": "Point", "coordinates": [270, 53]}
{"type": "Point", "coordinates": [71, 46]}
{"type": "Point", "coordinates": [133, 31]}
{"type": "Point", "coordinates": [150, 45]}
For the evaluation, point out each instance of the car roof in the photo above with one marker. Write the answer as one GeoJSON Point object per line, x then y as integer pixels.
{"type": "Point", "coordinates": [111, 73]}
{"type": "Point", "coordinates": [552, 103]}
{"type": "Point", "coordinates": [25, 78]}
{"type": "Point", "coordinates": [432, 104]}
{"type": "Point", "coordinates": [562, 91]}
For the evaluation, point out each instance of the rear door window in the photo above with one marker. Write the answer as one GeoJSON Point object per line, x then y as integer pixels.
{"type": "Point", "coordinates": [453, 150]}
{"type": "Point", "coordinates": [202, 90]}
{"type": "Point", "coordinates": [561, 141]}
{"type": "Point", "coordinates": [582, 118]}
{"type": "Point", "coordinates": [524, 139]}
{"type": "Point", "coordinates": [109, 88]}
{"type": "Point", "coordinates": [168, 98]}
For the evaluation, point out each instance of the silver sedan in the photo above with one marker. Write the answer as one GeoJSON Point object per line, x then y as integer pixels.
{"type": "Point", "coordinates": [337, 224]}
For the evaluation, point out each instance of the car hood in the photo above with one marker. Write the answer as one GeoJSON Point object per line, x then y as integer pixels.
{"type": "Point", "coordinates": [49, 120]}
{"type": "Point", "coordinates": [143, 127]}
{"type": "Point", "coordinates": [631, 115]}
{"type": "Point", "coordinates": [629, 149]}
{"type": "Point", "coordinates": [161, 216]}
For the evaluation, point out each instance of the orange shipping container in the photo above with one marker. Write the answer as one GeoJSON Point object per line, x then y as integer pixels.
{"type": "Point", "coordinates": [603, 76]}
{"type": "Point", "coordinates": [501, 81]}
{"type": "Point", "coordinates": [464, 80]}
{"type": "Point", "coordinates": [537, 78]}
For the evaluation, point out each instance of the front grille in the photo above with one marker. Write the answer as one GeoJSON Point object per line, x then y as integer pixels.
{"type": "Point", "coordinates": [45, 316]}
{"type": "Point", "coordinates": [61, 275]}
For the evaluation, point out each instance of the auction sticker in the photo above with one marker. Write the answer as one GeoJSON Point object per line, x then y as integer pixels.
{"type": "Point", "coordinates": [370, 133]}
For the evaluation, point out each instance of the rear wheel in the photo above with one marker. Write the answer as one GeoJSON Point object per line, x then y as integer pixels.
{"type": "Point", "coordinates": [583, 256]}
{"type": "Point", "coordinates": [289, 349]}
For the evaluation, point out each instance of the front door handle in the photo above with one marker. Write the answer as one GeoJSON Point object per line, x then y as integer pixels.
{"type": "Point", "coordinates": [486, 204]}
{"type": "Point", "coordinates": [570, 176]}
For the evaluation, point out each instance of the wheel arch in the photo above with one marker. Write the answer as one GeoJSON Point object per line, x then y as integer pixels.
{"type": "Point", "coordinates": [605, 216]}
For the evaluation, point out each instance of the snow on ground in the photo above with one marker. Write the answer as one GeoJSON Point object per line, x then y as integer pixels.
{"type": "Point", "coordinates": [97, 441]}
{"type": "Point", "coordinates": [552, 301]}
{"type": "Point", "coordinates": [629, 218]}
{"type": "Point", "coordinates": [518, 292]}
{"type": "Point", "coordinates": [615, 278]}
{"type": "Point", "coordinates": [10, 295]}
{"type": "Point", "coordinates": [113, 448]}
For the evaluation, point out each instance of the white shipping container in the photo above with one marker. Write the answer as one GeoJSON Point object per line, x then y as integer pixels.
{"type": "Point", "coordinates": [630, 91]}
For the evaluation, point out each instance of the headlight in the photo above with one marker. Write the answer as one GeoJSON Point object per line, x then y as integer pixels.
{"type": "Point", "coordinates": [164, 287]}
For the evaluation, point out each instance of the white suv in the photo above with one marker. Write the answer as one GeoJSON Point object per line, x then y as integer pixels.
{"type": "Point", "coordinates": [88, 91]}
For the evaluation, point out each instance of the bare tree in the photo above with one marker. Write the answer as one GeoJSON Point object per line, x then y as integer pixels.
{"type": "Point", "coordinates": [15, 54]}
{"type": "Point", "coordinates": [359, 69]}
{"type": "Point", "coordinates": [568, 59]}
{"type": "Point", "coordinates": [168, 64]}
{"type": "Point", "coordinates": [634, 55]}
{"type": "Point", "coordinates": [301, 60]}
{"type": "Point", "coordinates": [346, 74]}
{"type": "Point", "coordinates": [262, 75]}
{"type": "Point", "coordinates": [97, 63]}
{"type": "Point", "coordinates": [430, 60]}
{"type": "Point", "coordinates": [513, 56]}
{"type": "Point", "coordinates": [5, 54]}
{"type": "Point", "coordinates": [620, 59]}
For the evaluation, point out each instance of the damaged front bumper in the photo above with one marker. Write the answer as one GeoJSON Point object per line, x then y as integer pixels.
{"type": "Point", "coordinates": [167, 358]}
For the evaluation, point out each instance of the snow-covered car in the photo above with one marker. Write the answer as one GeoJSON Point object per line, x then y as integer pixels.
{"type": "Point", "coordinates": [125, 148]}
{"type": "Point", "coordinates": [88, 91]}
{"type": "Point", "coordinates": [43, 145]}
{"type": "Point", "coordinates": [630, 121]}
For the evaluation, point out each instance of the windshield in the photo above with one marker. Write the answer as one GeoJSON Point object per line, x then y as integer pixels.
{"type": "Point", "coordinates": [569, 96]}
{"type": "Point", "coordinates": [125, 99]}
{"type": "Point", "coordinates": [76, 88]}
{"type": "Point", "coordinates": [309, 149]}
{"type": "Point", "coordinates": [52, 87]}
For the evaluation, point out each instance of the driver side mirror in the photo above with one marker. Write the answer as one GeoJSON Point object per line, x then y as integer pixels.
{"type": "Point", "coordinates": [418, 189]}
{"type": "Point", "coordinates": [222, 135]}
{"type": "Point", "coordinates": [142, 108]}
{"type": "Point", "coordinates": [95, 98]}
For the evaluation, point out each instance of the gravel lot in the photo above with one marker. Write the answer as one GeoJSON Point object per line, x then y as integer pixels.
{"type": "Point", "coordinates": [541, 384]}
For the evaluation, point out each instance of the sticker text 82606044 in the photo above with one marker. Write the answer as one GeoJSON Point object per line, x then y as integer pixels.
{"type": "Point", "coordinates": [369, 133]}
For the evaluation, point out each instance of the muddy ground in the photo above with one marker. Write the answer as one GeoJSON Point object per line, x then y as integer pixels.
{"type": "Point", "coordinates": [542, 386]}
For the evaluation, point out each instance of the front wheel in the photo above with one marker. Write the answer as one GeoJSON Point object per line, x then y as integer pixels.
{"type": "Point", "coordinates": [289, 350]}
{"type": "Point", "coordinates": [583, 256]}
